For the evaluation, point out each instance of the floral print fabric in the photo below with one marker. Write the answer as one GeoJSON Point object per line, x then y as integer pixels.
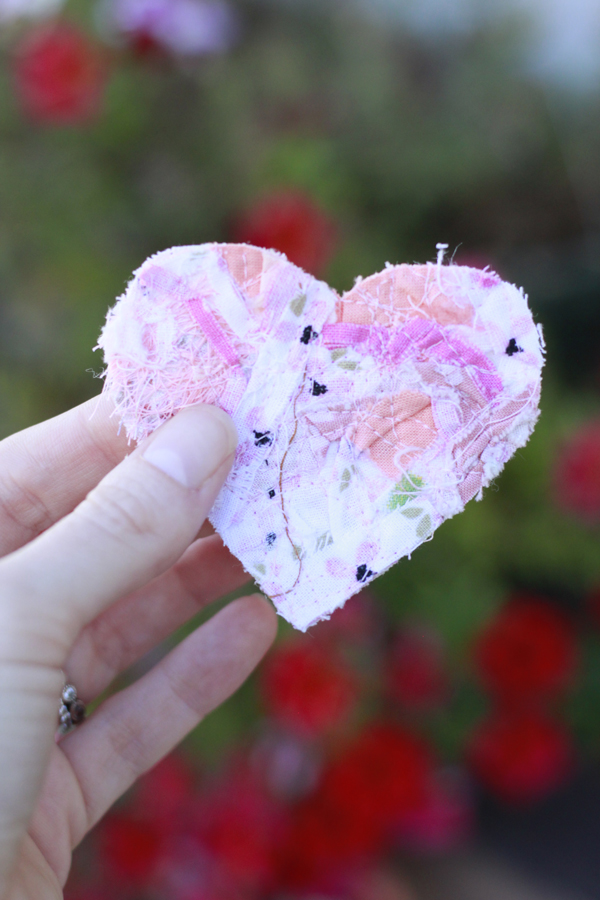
{"type": "Point", "coordinates": [364, 420]}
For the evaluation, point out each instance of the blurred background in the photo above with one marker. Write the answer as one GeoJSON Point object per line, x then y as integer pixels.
{"type": "Point", "coordinates": [439, 738]}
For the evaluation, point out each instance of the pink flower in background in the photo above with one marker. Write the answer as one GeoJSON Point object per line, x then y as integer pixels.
{"type": "Point", "coordinates": [60, 75]}
{"type": "Point", "coordinates": [182, 27]}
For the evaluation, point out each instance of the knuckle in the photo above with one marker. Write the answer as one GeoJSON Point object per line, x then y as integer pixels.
{"type": "Point", "coordinates": [30, 631]}
{"type": "Point", "coordinates": [23, 506]}
{"type": "Point", "coordinates": [124, 508]}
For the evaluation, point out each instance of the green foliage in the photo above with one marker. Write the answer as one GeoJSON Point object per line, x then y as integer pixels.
{"type": "Point", "coordinates": [406, 489]}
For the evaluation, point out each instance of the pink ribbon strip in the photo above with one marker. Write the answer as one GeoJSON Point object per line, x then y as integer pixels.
{"type": "Point", "coordinates": [344, 334]}
{"type": "Point", "coordinates": [416, 336]}
{"type": "Point", "coordinates": [213, 332]}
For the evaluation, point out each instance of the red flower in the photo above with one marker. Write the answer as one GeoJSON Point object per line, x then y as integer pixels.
{"type": "Point", "coordinates": [521, 756]}
{"type": "Point", "coordinates": [60, 75]}
{"type": "Point", "coordinates": [577, 474]}
{"type": "Point", "coordinates": [381, 775]}
{"type": "Point", "coordinates": [527, 652]}
{"type": "Point", "coordinates": [289, 221]}
{"type": "Point", "coordinates": [307, 687]}
{"type": "Point", "coordinates": [145, 46]}
{"type": "Point", "coordinates": [242, 828]}
{"type": "Point", "coordinates": [324, 838]}
{"type": "Point", "coordinates": [444, 821]}
{"type": "Point", "coordinates": [164, 793]}
{"type": "Point", "coordinates": [416, 677]}
{"type": "Point", "coordinates": [130, 848]}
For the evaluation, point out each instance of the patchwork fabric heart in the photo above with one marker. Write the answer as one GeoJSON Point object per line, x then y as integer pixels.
{"type": "Point", "coordinates": [364, 420]}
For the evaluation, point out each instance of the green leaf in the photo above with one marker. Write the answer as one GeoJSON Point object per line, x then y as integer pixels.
{"type": "Point", "coordinates": [424, 527]}
{"type": "Point", "coordinates": [412, 512]}
{"type": "Point", "coordinates": [405, 490]}
{"type": "Point", "coordinates": [297, 305]}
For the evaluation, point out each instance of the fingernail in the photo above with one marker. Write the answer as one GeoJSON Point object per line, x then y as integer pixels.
{"type": "Point", "coordinates": [192, 445]}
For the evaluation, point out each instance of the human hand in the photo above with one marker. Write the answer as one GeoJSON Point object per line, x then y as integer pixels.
{"type": "Point", "coordinates": [88, 584]}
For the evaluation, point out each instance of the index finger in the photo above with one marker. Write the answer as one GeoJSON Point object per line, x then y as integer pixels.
{"type": "Point", "coordinates": [47, 470]}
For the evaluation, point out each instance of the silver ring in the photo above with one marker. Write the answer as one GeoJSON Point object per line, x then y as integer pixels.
{"type": "Point", "coordinates": [71, 711]}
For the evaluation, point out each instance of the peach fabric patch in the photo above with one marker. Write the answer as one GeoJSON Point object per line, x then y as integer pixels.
{"type": "Point", "coordinates": [364, 420]}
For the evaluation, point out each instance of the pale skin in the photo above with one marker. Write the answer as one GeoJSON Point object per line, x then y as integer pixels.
{"type": "Point", "coordinates": [101, 560]}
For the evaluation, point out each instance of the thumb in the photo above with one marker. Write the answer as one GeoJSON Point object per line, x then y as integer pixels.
{"type": "Point", "coordinates": [133, 526]}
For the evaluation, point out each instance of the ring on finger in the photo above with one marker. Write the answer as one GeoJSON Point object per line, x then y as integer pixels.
{"type": "Point", "coordinates": [71, 711]}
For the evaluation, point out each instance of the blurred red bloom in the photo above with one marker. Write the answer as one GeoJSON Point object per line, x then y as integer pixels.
{"type": "Point", "coordinates": [416, 675]}
{"type": "Point", "coordinates": [165, 793]}
{"type": "Point", "coordinates": [242, 828]}
{"type": "Point", "coordinates": [307, 687]}
{"type": "Point", "coordinates": [577, 473]}
{"type": "Point", "coordinates": [382, 774]}
{"type": "Point", "coordinates": [527, 651]}
{"type": "Point", "coordinates": [130, 848]}
{"type": "Point", "coordinates": [444, 820]}
{"type": "Point", "coordinates": [322, 839]}
{"type": "Point", "coordinates": [289, 221]}
{"type": "Point", "coordinates": [145, 46]}
{"type": "Point", "coordinates": [60, 75]}
{"type": "Point", "coordinates": [521, 756]}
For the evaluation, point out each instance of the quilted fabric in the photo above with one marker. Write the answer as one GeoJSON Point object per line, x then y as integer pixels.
{"type": "Point", "coordinates": [364, 420]}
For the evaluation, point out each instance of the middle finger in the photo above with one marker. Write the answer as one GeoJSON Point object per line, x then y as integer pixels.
{"type": "Point", "coordinates": [126, 631]}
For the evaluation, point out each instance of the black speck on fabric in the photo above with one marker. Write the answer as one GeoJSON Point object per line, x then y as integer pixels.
{"type": "Point", "coordinates": [318, 389]}
{"type": "Point", "coordinates": [263, 438]}
{"type": "Point", "coordinates": [513, 348]}
{"type": "Point", "coordinates": [308, 335]}
{"type": "Point", "coordinates": [363, 573]}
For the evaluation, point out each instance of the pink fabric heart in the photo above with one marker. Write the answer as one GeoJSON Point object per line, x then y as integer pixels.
{"type": "Point", "coordinates": [365, 420]}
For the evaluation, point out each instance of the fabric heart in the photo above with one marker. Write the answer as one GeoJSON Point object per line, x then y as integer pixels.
{"type": "Point", "coordinates": [364, 420]}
